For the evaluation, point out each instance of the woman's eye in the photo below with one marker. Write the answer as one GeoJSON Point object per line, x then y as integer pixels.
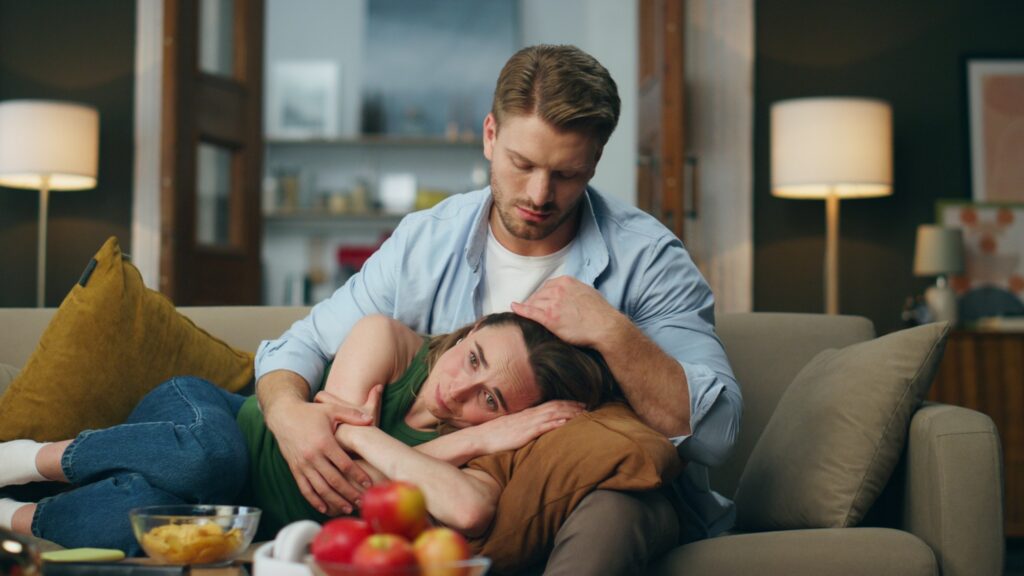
{"type": "Point", "coordinates": [472, 359]}
{"type": "Point", "coordinates": [492, 404]}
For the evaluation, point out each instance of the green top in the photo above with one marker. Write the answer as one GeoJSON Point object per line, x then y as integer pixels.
{"type": "Point", "coordinates": [271, 486]}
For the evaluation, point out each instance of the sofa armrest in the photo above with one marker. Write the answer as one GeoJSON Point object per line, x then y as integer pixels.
{"type": "Point", "coordinates": [954, 489]}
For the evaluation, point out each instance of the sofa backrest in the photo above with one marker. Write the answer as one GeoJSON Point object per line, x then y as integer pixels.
{"type": "Point", "coordinates": [244, 327]}
{"type": "Point", "coordinates": [766, 351]}
{"type": "Point", "coordinates": [240, 326]}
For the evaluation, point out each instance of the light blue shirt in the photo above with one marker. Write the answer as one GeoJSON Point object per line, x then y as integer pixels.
{"type": "Point", "coordinates": [428, 275]}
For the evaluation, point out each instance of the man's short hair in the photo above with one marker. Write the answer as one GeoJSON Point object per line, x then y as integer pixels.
{"type": "Point", "coordinates": [563, 85]}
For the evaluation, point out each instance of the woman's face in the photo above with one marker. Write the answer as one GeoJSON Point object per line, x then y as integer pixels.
{"type": "Point", "coordinates": [482, 377]}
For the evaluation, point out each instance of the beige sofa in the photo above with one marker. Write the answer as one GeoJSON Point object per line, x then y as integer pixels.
{"type": "Point", "coordinates": [940, 514]}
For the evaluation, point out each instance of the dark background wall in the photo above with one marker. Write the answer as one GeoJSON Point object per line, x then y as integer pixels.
{"type": "Point", "coordinates": [910, 53]}
{"type": "Point", "coordinates": [82, 52]}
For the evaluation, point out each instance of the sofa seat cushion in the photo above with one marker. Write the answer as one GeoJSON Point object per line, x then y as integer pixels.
{"type": "Point", "coordinates": [832, 551]}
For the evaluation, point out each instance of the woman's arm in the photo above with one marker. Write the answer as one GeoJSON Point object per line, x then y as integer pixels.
{"type": "Point", "coordinates": [376, 351]}
{"type": "Point", "coordinates": [462, 499]}
{"type": "Point", "coordinates": [507, 432]}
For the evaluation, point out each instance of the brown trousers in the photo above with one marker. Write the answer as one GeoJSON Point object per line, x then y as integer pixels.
{"type": "Point", "coordinates": [613, 533]}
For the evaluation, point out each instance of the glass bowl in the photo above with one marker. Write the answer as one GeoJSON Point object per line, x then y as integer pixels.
{"type": "Point", "coordinates": [473, 567]}
{"type": "Point", "coordinates": [194, 534]}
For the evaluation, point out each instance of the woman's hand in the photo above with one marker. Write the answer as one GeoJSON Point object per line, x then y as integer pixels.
{"type": "Point", "coordinates": [370, 408]}
{"type": "Point", "coordinates": [513, 431]}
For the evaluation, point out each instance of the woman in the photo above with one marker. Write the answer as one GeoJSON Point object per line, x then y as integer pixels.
{"type": "Point", "coordinates": [188, 441]}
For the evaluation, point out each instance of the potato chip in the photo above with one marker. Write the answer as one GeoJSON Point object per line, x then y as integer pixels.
{"type": "Point", "coordinates": [191, 543]}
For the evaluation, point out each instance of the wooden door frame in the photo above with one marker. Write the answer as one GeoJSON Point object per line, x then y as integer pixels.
{"type": "Point", "coordinates": [208, 108]}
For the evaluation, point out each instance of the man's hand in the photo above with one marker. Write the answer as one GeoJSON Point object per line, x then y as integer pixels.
{"type": "Point", "coordinates": [653, 382]}
{"type": "Point", "coordinates": [327, 477]}
{"type": "Point", "coordinates": [573, 311]}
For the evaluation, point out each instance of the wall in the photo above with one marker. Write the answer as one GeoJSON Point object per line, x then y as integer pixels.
{"type": "Point", "coordinates": [911, 54]}
{"type": "Point", "coordinates": [84, 52]}
{"type": "Point", "coordinates": [719, 133]}
{"type": "Point", "coordinates": [607, 29]}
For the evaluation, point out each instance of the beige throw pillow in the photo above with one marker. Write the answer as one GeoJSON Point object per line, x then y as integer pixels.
{"type": "Point", "coordinates": [837, 434]}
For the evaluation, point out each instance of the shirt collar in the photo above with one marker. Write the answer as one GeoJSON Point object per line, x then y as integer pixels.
{"type": "Point", "coordinates": [587, 259]}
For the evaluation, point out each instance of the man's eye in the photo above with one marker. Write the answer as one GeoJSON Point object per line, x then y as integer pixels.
{"type": "Point", "coordinates": [566, 175]}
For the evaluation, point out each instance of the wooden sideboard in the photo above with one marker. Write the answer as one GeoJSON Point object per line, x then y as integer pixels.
{"type": "Point", "coordinates": [984, 371]}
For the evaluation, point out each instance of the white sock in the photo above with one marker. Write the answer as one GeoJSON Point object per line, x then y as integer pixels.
{"type": "Point", "coordinates": [19, 458]}
{"type": "Point", "coordinates": [7, 509]}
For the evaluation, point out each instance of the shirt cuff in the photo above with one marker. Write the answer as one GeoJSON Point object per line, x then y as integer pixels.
{"type": "Point", "coordinates": [279, 355]}
{"type": "Point", "coordinates": [714, 418]}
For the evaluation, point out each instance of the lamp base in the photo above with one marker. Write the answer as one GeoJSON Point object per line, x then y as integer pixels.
{"type": "Point", "coordinates": [941, 301]}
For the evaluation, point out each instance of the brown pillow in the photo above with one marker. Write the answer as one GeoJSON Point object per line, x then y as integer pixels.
{"type": "Point", "coordinates": [837, 433]}
{"type": "Point", "coordinates": [111, 341]}
{"type": "Point", "coordinates": [542, 482]}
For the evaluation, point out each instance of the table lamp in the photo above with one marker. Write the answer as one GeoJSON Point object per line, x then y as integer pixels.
{"type": "Point", "coordinates": [831, 148]}
{"type": "Point", "coordinates": [939, 251]}
{"type": "Point", "coordinates": [47, 145]}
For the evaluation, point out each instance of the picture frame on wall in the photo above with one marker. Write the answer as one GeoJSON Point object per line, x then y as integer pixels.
{"type": "Point", "coordinates": [302, 102]}
{"type": "Point", "coordinates": [995, 101]}
{"type": "Point", "coordinates": [993, 235]}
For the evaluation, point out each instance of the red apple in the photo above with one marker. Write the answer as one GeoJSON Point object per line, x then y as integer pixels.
{"type": "Point", "coordinates": [338, 539]}
{"type": "Point", "coordinates": [384, 554]}
{"type": "Point", "coordinates": [437, 548]}
{"type": "Point", "coordinates": [395, 508]}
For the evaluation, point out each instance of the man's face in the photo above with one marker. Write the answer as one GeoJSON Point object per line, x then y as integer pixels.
{"type": "Point", "coordinates": [538, 177]}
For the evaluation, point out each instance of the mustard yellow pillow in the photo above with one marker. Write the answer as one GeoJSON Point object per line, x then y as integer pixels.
{"type": "Point", "coordinates": [111, 341]}
{"type": "Point", "coordinates": [542, 482]}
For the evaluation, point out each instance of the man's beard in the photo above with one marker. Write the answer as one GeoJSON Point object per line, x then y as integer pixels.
{"type": "Point", "coordinates": [524, 230]}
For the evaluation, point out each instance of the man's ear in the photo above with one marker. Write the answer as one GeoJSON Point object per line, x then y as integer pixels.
{"type": "Point", "coordinates": [490, 133]}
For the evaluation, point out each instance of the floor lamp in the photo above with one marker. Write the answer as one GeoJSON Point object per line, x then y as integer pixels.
{"type": "Point", "coordinates": [831, 148]}
{"type": "Point", "coordinates": [47, 145]}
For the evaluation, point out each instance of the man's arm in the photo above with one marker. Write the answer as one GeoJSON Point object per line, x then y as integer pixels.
{"type": "Point", "coordinates": [579, 314]}
{"type": "Point", "coordinates": [324, 473]}
{"type": "Point", "coordinates": [287, 369]}
{"type": "Point", "coordinates": [665, 354]}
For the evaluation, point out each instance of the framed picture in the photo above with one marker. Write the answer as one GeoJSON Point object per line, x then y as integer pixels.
{"type": "Point", "coordinates": [303, 99]}
{"type": "Point", "coordinates": [995, 100]}
{"type": "Point", "coordinates": [993, 243]}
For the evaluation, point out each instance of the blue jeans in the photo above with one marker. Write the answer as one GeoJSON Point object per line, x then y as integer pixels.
{"type": "Point", "coordinates": [180, 445]}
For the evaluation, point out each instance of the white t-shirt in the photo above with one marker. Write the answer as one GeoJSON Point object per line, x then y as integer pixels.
{"type": "Point", "coordinates": [509, 277]}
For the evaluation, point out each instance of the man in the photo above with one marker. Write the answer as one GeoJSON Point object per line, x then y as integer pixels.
{"type": "Point", "coordinates": [596, 272]}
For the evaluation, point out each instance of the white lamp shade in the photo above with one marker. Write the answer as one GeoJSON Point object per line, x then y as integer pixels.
{"type": "Point", "coordinates": [938, 251]}
{"type": "Point", "coordinates": [47, 139]}
{"type": "Point", "coordinates": [823, 146]}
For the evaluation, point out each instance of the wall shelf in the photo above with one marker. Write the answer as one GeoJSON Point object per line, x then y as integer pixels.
{"type": "Point", "coordinates": [321, 221]}
{"type": "Point", "coordinates": [382, 141]}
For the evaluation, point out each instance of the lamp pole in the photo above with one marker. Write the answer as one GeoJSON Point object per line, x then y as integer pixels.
{"type": "Point", "coordinates": [44, 205]}
{"type": "Point", "coordinates": [832, 252]}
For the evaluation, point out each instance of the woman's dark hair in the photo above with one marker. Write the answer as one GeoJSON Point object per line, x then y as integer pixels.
{"type": "Point", "coordinates": [562, 371]}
